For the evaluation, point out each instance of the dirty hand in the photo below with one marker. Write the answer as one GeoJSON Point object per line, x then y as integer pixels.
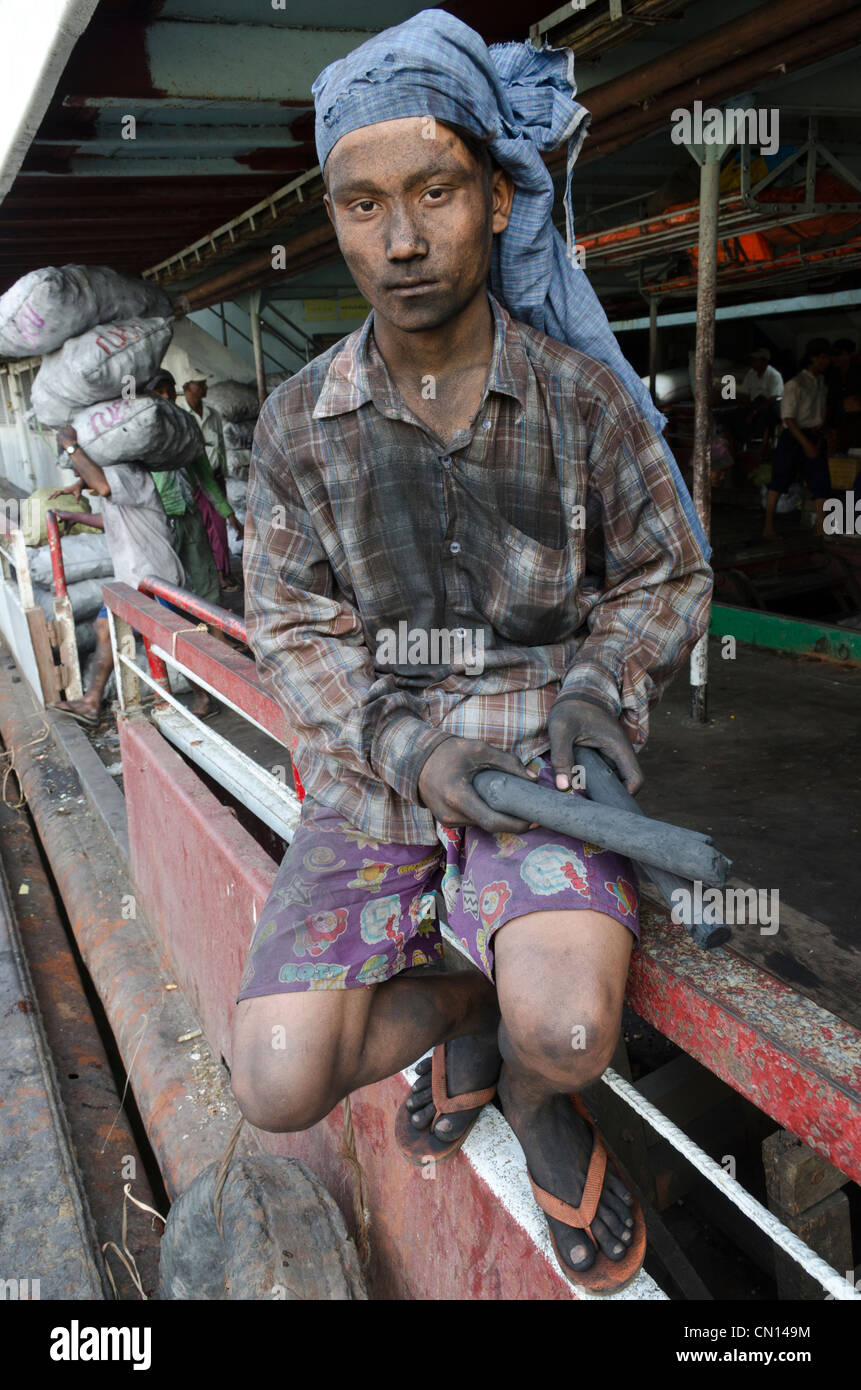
{"type": "Point", "coordinates": [73, 489]}
{"type": "Point", "coordinates": [575, 720]}
{"type": "Point", "coordinates": [66, 436]}
{"type": "Point", "coordinates": [445, 784]}
{"type": "Point", "coordinates": [235, 523]}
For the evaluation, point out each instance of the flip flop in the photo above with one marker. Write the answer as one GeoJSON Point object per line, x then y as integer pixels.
{"type": "Point", "coordinates": [420, 1146]}
{"type": "Point", "coordinates": [605, 1275]}
{"type": "Point", "coordinates": [88, 720]}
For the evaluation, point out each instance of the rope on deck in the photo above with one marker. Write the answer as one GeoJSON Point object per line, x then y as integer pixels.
{"type": "Point", "coordinates": [836, 1284]}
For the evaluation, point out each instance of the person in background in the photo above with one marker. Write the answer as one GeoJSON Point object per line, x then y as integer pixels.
{"type": "Point", "coordinates": [843, 384]}
{"type": "Point", "coordinates": [141, 545]}
{"type": "Point", "coordinates": [802, 444]}
{"type": "Point", "coordinates": [179, 489]}
{"type": "Point", "coordinates": [759, 393]}
{"type": "Point", "coordinates": [214, 517]}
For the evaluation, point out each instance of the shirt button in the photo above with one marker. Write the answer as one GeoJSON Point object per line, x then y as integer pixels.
{"type": "Point", "coordinates": [445, 461]}
{"type": "Point", "coordinates": [486, 424]}
{"type": "Point", "coordinates": [455, 547]}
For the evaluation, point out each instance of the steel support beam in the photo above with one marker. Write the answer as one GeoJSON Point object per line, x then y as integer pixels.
{"type": "Point", "coordinates": [257, 345]}
{"type": "Point", "coordinates": [709, 160]}
{"type": "Point", "coordinates": [793, 304]}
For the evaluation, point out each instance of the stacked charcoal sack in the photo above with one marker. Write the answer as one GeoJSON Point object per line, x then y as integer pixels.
{"type": "Point", "coordinates": [102, 335]}
{"type": "Point", "coordinates": [238, 406]}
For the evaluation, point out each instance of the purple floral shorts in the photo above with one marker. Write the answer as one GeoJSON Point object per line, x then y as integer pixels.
{"type": "Point", "coordinates": [348, 910]}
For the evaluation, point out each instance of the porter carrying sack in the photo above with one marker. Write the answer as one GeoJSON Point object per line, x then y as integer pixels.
{"type": "Point", "coordinates": [147, 430]}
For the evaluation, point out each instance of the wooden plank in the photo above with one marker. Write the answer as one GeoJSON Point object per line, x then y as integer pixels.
{"type": "Point", "coordinates": [796, 1177]}
{"type": "Point", "coordinates": [49, 672]}
{"type": "Point", "coordinates": [825, 1228]}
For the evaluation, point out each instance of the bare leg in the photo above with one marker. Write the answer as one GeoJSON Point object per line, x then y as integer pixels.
{"type": "Point", "coordinates": [561, 980]}
{"type": "Point", "coordinates": [771, 501]}
{"type": "Point", "coordinates": [296, 1055]}
{"type": "Point", "coordinates": [91, 702]}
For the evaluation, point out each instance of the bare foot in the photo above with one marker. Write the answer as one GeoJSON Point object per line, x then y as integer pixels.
{"type": "Point", "coordinates": [471, 1064]}
{"type": "Point", "coordinates": [202, 705]}
{"type": "Point", "coordinates": [84, 711]}
{"type": "Point", "coordinates": [557, 1143]}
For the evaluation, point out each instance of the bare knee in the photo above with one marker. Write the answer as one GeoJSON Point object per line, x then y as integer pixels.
{"type": "Point", "coordinates": [277, 1097]}
{"type": "Point", "coordinates": [570, 1044]}
{"type": "Point", "coordinates": [278, 1086]}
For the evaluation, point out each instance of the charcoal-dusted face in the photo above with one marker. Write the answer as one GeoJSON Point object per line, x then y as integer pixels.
{"type": "Point", "coordinates": [415, 213]}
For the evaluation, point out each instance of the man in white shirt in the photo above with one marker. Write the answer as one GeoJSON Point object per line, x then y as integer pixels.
{"type": "Point", "coordinates": [760, 390]}
{"type": "Point", "coordinates": [761, 379]}
{"type": "Point", "coordinates": [802, 444]}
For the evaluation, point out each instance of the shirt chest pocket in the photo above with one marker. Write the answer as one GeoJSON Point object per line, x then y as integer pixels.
{"type": "Point", "coordinates": [529, 591]}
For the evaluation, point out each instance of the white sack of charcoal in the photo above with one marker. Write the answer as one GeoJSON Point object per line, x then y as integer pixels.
{"type": "Point", "coordinates": [104, 363]}
{"type": "Point", "coordinates": [147, 430]}
{"type": "Point", "coordinates": [45, 307]}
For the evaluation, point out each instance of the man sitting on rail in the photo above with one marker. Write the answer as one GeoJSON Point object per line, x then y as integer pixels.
{"type": "Point", "coordinates": [456, 472]}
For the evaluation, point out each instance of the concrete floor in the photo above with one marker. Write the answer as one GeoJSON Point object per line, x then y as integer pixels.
{"type": "Point", "coordinates": [775, 779]}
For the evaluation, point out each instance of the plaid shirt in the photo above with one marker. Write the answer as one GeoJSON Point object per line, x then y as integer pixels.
{"type": "Point", "coordinates": [551, 531]}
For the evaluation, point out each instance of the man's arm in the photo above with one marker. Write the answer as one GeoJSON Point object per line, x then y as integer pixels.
{"type": "Point", "coordinates": [651, 605]}
{"type": "Point", "coordinates": [308, 640]}
{"type": "Point", "coordinates": [83, 465]}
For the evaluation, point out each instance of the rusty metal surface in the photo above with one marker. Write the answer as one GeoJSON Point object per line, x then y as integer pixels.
{"type": "Point", "coordinates": [48, 1246]}
{"type": "Point", "coordinates": [180, 1090]}
{"type": "Point", "coordinates": [790, 1057]}
{"type": "Point", "coordinates": [105, 1148]}
{"type": "Point", "coordinates": [203, 877]}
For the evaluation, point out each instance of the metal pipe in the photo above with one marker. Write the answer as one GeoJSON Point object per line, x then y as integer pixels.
{"type": "Point", "coordinates": [321, 235]}
{"type": "Point", "coordinates": [58, 571]}
{"type": "Point", "coordinates": [209, 613]}
{"type": "Point", "coordinates": [703, 422]}
{"type": "Point", "coordinates": [653, 348]}
{"type": "Point", "coordinates": [718, 48]}
{"type": "Point", "coordinates": [795, 52]}
{"type": "Point", "coordinates": [257, 345]}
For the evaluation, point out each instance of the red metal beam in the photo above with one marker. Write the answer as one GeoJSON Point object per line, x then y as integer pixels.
{"type": "Point", "coordinates": [793, 1059]}
{"type": "Point", "coordinates": [226, 670]}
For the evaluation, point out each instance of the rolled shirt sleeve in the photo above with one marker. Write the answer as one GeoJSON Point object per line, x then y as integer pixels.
{"type": "Point", "coordinates": [651, 603]}
{"type": "Point", "coordinates": [308, 641]}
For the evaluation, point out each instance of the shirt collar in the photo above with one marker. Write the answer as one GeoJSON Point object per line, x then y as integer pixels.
{"type": "Point", "coordinates": [357, 373]}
